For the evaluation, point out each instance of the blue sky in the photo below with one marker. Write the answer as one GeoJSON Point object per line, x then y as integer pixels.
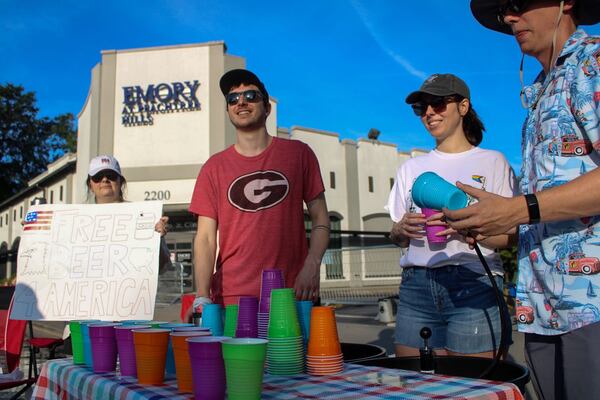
{"type": "Point", "coordinates": [337, 65]}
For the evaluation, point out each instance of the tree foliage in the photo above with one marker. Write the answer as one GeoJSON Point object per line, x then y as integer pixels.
{"type": "Point", "coordinates": [28, 142]}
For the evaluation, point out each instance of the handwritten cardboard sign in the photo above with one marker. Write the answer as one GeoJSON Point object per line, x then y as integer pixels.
{"type": "Point", "coordinates": [95, 261]}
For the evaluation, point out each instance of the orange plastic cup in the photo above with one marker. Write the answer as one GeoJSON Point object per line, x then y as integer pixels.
{"type": "Point", "coordinates": [183, 366]}
{"type": "Point", "coordinates": [151, 354]}
{"type": "Point", "coordinates": [323, 339]}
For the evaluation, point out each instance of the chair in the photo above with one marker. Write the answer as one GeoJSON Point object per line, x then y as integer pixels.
{"type": "Point", "coordinates": [12, 335]}
{"type": "Point", "coordinates": [38, 343]}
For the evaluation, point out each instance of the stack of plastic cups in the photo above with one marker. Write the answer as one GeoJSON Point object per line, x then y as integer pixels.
{"type": "Point", "coordinates": [304, 307]}
{"type": "Point", "coordinates": [155, 324]}
{"type": "Point", "coordinates": [271, 279]}
{"type": "Point", "coordinates": [104, 347]}
{"type": "Point", "coordinates": [212, 318]}
{"type": "Point", "coordinates": [151, 354]}
{"type": "Point", "coordinates": [244, 367]}
{"type": "Point", "coordinates": [126, 348]}
{"type": "Point", "coordinates": [208, 368]}
{"type": "Point", "coordinates": [324, 355]}
{"type": "Point", "coordinates": [231, 317]}
{"type": "Point", "coordinates": [170, 365]}
{"type": "Point", "coordinates": [182, 358]}
{"type": "Point", "coordinates": [77, 342]}
{"type": "Point", "coordinates": [85, 339]}
{"type": "Point", "coordinates": [285, 350]}
{"type": "Point", "coordinates": [247, 322]}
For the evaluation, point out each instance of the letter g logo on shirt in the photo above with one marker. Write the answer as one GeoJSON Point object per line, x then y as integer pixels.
{"type": "Point", "coordinates": [258, 190]}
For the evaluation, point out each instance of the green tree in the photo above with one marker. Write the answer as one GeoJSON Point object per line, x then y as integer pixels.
{"type": "Point", "coordinates": [28, 142]}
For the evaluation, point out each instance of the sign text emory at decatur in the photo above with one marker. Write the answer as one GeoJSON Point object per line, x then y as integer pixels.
{"type": "Point", "coordinates": [141, 104]}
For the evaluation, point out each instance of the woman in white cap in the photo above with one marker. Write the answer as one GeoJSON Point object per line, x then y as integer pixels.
{"type": "Point", "coordinates": [444, 285]}
{"type": "Point", "coordinates": [106, 183]}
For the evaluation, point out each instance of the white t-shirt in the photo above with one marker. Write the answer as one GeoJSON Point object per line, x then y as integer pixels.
{"type": "Point", "coordinates": [483, 169]}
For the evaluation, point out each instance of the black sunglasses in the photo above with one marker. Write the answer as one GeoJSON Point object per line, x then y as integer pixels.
{"type": "Point", "coordinates": [110, 175]}
{"type": "Point", "coordinates": [251, 96]}
{"type": "Point", "coordinates": [437, 103]}
{"type": "Point", "coordinates": [515, 6]}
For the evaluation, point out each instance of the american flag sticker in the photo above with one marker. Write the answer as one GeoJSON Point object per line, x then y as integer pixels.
{"type": "Point", "coordinates": [38, 221]}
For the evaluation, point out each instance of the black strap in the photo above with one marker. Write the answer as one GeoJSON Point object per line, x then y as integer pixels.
{"type": "Point", "coordinates": [533, 207]}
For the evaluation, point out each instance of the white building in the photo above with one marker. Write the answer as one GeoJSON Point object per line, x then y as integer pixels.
{"type": "Point", "coordinates": [161, 113]}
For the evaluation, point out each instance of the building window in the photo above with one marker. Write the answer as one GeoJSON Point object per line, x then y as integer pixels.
{"type": "Point", "coordinates": [370, 184]}
{"type": "Point", "coordinates": [21, 212]}
{"type": "Point", "coordinates": [51, 196]}
{"type": "Point", "coordinates": [0, 222]}
{"type": "Point", "coordinates": [332, 180]}
{"type": "Point", "coordinates": [6, 219]}
{"type": "Point", "coordinates": [60, 196]}
{"type": "Point", "coordinates": [14, 215]}
{"type": "Point", "coordinates": [391, 183]}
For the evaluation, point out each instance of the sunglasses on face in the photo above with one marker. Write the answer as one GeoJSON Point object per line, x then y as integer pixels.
{"type": "Point", "coordinates": [110, 175]}
{"type": "Point", "coordinates": [514, 6]}
{"type": "Point", "coordinates": [437, 103]}
{"type": "Point", "coordinates": [250, 96]}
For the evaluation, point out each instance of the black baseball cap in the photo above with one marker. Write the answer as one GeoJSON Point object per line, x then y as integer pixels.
{"type": "Point", "coordinates": [236, 77]}
{"type": "Point", "coordinates": [486, 13]}
{"type": "Point", "coordinates": [440, 85]}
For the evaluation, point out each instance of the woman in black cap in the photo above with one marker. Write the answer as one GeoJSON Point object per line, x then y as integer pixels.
{"type": "Point", "coordinates": [444, 285]}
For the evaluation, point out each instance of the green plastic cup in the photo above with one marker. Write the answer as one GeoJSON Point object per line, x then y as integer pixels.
{"type": "Point", "coordinates": [231, 315]}
{"type": "Point", "coordinates": [77, 342]}
{"type": "Point", "coordinates": [283, 315]}
{"type": "Point", "coordinates": [244, 367]}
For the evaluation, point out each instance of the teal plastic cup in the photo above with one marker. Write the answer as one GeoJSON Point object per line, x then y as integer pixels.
{"type": "Point", "coordinates": [432, 191]}
{"type": "Point", "coordinates": [212, 318]}
{"type": "Point", "coordinates": [244, 367]}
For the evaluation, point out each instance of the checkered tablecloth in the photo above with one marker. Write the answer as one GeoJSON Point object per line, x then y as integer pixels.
{"type": "Point", "coordinates": [60, 379]}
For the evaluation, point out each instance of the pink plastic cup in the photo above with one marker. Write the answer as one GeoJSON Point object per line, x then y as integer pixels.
{"type": "Point", "coordinates": [431, 230]}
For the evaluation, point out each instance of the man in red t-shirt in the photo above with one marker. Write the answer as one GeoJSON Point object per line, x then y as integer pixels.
{"type": "Point", "coordinates": [252, 194]}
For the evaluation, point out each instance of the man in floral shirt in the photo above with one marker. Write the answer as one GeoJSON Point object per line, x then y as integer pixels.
{"type": "Point", "coordinates": [558, 216]}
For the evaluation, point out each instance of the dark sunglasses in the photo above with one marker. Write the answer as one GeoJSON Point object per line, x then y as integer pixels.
{"type": "Point", "coordinates": [515, 6]}
{"type": "Point", "coordinates": [251, 96]}
{"type": "Point", "coordinates": [437, 103]}
{"type": "Point", "coordinates": [110, 175]}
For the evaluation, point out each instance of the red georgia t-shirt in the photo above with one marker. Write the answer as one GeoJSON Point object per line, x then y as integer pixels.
{"type": "Point", "coordinates": [258, 205]}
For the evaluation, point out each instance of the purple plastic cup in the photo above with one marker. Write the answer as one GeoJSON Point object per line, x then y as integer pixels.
{"type": "Point", "coordinates": [208, 367]}
{"type": "Point", "coordinates": [126, 348]}
{"type": "Point", "coordinates": [104, 347]}
{"type": "Point", "coordinates": [431, 230]}
{"type": "Point", "coordinates": [271, 279]}
{"type": "Point", "coordinates": [247, 322]}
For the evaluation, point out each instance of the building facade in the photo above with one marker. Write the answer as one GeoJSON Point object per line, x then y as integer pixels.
{"type": "Point", "coordinates": [161, 113]}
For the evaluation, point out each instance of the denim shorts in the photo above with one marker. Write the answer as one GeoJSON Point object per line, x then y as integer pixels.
{"type": "Point", "coordinates": [457, 304]}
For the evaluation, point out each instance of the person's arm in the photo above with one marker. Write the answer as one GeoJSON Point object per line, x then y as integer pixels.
{"type": "Point", "coordinates": [308, 280]}
{"type": "Point", "coordinates": [494, 214]}
{"type": "Point", "coordinates": [164, 255]}
{"type": "Point", "coordinates": [205, 250]}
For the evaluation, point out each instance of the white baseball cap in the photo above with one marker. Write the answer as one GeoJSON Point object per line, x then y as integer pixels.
{"type": "Point", "coordinates": [102, 163]}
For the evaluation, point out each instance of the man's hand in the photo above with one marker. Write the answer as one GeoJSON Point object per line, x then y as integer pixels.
{"type": "Point", "coordinates": [491, 215]}
{"type": "Point", "coordinates": [199, 300]}
{"type": "Point", "coordinates": [308, 280]}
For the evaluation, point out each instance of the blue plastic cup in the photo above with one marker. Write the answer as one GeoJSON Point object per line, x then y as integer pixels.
{"type": "Point", "coordinates": [432, 191]}
{"type": "Point", "coordinates": [87, 344]}
{"type": "Point", "coordinates": [304, 308]}
{"type": "Point", "coordinates": [212, 318]}
{"type": "Point", "coordinates": [170, 363]}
